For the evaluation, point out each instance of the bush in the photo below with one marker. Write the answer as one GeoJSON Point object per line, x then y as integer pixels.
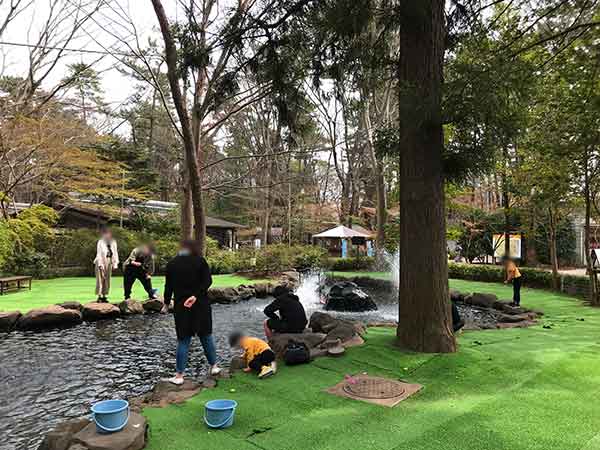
{"type": "Point", "coordinates": [165, 251]}
{"type": "Point", "coordinates": [280, 257]}
{"type": "Point", "coordinates": [476, 272]}
{"type": "Point", "coordinates": [30, 263]}
{"type": "Point", "coordinates": [351, 264]}
{"type": "Point", "coordinates": [7, 244]}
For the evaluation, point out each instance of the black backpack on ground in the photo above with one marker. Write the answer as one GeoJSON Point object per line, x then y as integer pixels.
{"type": "Point", "coordinates": [296, 353]}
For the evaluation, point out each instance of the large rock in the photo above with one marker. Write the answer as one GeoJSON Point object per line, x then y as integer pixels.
{"type": "Point", "coordinates": [262, 290]}
{"type": "Point", "coordinates": [279, 342]}
{"type": "Point", "coordinates": [153, 305]}
{"type": "Point", "coordinates": [456, 296]}
{"type": "Point", "coordinates": [131, 307]}
{"type": "Point", "coordinates": [514, 318]}
{"type": "Point", "coordinates": [223, 295]}
{"type": "Point", "coordinates": [334, 328]}
{"type": "Point", "coordinates": [98, 311]}
{"type": "Point", "coordinates": [132, 437]}
{"type": "Point", "coordinates": [245, 292]}
{"type": "Point", "coordinates": [165, 393]}
{"type": "Point", "coordinates": [61, 437]}
{"type": "Point", "coordinates": [291, 275]}
{"type": "Point", "coordinates": [71, 305]}
{"type": "Point", "coordinates": [50, 316]}
{"type": "Point", "coordinates": [347, 296]}
{"type": "Point", "coordinates": [481, 300]}
{"type": "Point", "coordinates": [8, 320]}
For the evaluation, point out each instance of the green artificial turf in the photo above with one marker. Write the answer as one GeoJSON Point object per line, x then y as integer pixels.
{"type": "Point", "coordinates": [378, 275]}
{"type": "Point", "coordinates": [58, 290]}
{"type": "Point", "coordinates": [517, 389]}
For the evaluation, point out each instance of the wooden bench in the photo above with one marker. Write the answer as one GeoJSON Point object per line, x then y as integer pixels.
{"type": "Point", "coordinates": [8, 284]}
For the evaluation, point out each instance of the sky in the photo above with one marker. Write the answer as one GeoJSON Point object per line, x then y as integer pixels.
{"type": "Point", "coordinates": [110, 28]}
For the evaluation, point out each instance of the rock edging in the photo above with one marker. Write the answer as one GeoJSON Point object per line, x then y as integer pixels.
{"type": "Point", "coordinates": [507, 315]}
{"type": "Point", "coordinates": [68, 314]}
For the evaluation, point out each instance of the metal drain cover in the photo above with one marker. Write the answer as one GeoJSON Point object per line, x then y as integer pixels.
{"type": "Point", "coordinates": [375, 388]}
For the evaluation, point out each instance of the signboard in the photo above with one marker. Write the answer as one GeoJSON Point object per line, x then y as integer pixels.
{"type": "Point", "coordinates": [515, 245]}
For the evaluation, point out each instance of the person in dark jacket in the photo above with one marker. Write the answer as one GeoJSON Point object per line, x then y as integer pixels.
{"type": "Point", "coordinates": [187, 281]}
{"type": "Point", "coordinates": [139, 266]}
{"type": "Point", "coordinates": [285, 314]}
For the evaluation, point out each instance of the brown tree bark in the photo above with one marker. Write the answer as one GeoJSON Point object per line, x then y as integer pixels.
{"type": "Point", "coordinates": [424, 323]}
{"type": "Point", "coordinates": [377, 163]}
{"type": "Point", "coordinates": [553, 249]}
{"type": "Point", "coordinates": [531, 257]}
{"type": "Point", "coordinates": [189, 144]}
{"type": "Point", "coordinates": [505, 203]}
{"type": "Point", "coordinates": [187, 213]}
{"type": "Point", "coordinates": [587, 228]}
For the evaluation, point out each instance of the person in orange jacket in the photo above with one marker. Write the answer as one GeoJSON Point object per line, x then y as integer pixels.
{"type": "Point", "coordinates": [258, 356]}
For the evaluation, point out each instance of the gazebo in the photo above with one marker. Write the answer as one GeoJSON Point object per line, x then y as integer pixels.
{"type": "Point", "coordinates": [339, 240]}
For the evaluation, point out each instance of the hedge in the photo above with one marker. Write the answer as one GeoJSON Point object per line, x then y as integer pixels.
{"type": "Point", "coordinates": [536, 278]}
{"type": "Point", "coordinates": [351, 264]}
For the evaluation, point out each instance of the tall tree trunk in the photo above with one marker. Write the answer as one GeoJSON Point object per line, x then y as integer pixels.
{"type": "Point", "coordinates": [587, 229]}
{"type": "Point", "coordinates": [505, 203]}
{"type": "Point", "coordinates": [377, 163]}
{"type": "Point", "coordinates": [425, 321]}
{"type": "Point", "coordinates": [187, 213]}
{"type": "Point", "coordinates": [189, 144]}
{"type": "Point", "coordinates": [532, 258]}
{"type": "Point", "coordinates": [553, 250]}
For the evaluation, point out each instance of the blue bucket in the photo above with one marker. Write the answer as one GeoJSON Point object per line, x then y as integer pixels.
{"type": "Point", "coordinates": [110, 415]}
{"type": "Point", "coordinates": [219, 413]}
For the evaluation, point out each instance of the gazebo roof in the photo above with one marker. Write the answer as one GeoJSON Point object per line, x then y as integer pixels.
{"type": "Point", "coordinates": [341, 232]}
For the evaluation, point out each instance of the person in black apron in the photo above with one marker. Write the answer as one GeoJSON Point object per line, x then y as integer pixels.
{"type": "Point", "coordinates": [187, 281]}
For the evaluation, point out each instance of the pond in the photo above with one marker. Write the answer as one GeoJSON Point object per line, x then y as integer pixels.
{"type": "Point", "coordinates": [47, 377]}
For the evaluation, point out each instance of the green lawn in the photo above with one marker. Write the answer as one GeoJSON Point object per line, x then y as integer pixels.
{"type": "Point", "coordinates": [378, 275]}
{"type": "Point", "coordinates": [519, 389]}
{"type": "Point", "coordinates": [48, 292]}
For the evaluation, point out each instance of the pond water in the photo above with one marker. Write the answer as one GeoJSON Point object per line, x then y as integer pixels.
{"type": "Point", "coordinates": [50, 376]}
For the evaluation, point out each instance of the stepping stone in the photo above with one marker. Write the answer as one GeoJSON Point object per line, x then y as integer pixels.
{"type": "Point", "coordinates": [50, 316]}
{"type": "Point", "coordinates": [8, 320]}
{"type": "Point", "coordinates": [98, 311]}
{"type": "Point", "coordinates": [153, 306]}
{"type": "Point", "coordinates": [131, 307]}
{"type": "Point", "coordinates": [60, 437]}
{"type": "Point", "coordinates": [132, 437]}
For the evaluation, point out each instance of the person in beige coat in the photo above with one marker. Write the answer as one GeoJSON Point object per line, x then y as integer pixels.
{"type": "Point", "coordinates": [107, 259]}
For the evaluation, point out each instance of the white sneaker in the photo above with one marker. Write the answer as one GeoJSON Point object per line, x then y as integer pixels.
{"type": "Point", "coordinates": [215, 370]}
{"type": "Point", "coordinates": [178, 381]}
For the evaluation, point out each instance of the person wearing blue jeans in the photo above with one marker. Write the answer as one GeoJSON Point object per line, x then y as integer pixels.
{"type": "Point", "coordinates": [183, 348]}
{"type": "Point", "coordinates": [187, 281]}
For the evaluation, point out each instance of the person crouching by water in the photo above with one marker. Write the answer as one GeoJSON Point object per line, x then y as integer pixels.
{"type": "Point", "coordinates": [106, 260]}
{"type": "Point", "coordinates": [513, 274]}
{"type": "Point", "coordinates": [139, 266]}
{"type": "Point", "coordinates": [291, 317]}
{"type": "Point", "coordinates": [258, 356]}
{"type": "Point", "coordinates": [187, 280]}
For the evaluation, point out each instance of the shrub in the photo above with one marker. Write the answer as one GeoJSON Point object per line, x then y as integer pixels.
{"type": "Point", "coordinates": [7, 244]}
{"type": "Point", "coordinates": [351, 264]}
{"type": "Point", "coordinates": [75, 248]}
{"type": "Point", "coordinates": [165, 251]}
{"type": "Point", "coordinates": [30, 263]}
{"type": "Point", "coordinates": [280, 257]}
{"type": "Point", "coordinates": [479, 272]}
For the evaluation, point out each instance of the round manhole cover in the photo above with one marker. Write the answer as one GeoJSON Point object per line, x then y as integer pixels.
{"type": "Point", "coordinates": [375, 388]}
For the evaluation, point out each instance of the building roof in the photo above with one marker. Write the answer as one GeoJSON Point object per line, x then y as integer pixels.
{"type": "Point", "coordinates": [341, 232]}
{"type": "Point", "coordinates": [363, 230]}
{"type": "Point", "coordinates": [212, 222]}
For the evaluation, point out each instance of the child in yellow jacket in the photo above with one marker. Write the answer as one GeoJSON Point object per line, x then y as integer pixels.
{"type": "Point", "coordinates": [258, 356]}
